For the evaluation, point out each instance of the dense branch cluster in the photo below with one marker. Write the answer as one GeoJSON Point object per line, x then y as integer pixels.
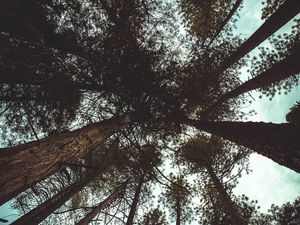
{"type": "Point", "coordinates": [100, 97]}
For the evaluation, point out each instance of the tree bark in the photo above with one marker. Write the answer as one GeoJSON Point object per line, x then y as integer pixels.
{"type": "Point", "coordinates": [41, 212]}
{"type": "Point", "coordinates": [178, 208]}
{"type": "Point", "coordinates": [135, 200]}
{"type": "Point", "coordinates": [288, 10]}
{"type": "Point", "coordinates": [96, 210]}
{"type": "Point", "coordinates": [279, 142]}
{"type": "Point", "coordinates": [229, 206]}
{"type": "Point", "coordinates": [24, 165]}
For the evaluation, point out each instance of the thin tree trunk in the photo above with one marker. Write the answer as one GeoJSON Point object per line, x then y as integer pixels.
{"type": "Point", "coordinates": [41, 212]}
{"type": "Point", "coordinates": [225, 21]}
{"type": "Point", "coordinates": [96, 210]}
{"type": "Point", "coordinates": [135, 200]}
{"type": "Point", "coordinates": [229, 206]}
{"type": "Point", "coordinates": [178, 208]}
{"type": "Point", "coordinates": [279, 142]}
{"type": "Point", "coordinates": [24, 165]}
{"type": "Point", "coordinates": [288, 10]}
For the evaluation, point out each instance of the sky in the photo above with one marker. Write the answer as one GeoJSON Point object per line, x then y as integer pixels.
{"type": "Point", "coordinates": [268, 182]}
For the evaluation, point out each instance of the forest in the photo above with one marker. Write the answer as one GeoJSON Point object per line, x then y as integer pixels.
{"type": "Point", "coordinates": [133, 111]}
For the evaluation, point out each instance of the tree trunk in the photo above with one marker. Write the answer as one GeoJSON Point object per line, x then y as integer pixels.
{"type": "Point", "coordinates": [96, 210]}
{"type": "Point", "coordinates": [280, 71]}
{"type": "Point", "coordinates": [178, 208]}
{"type": "Point", "coordinates": [229, 206]}
{"type": "Point", "coordinates": [41, 212]}
{"type": "Point", "coordinates": [24, 165]}
{"type": "Point", "coordinates": [279, 142]}
{"type": "Point", "coordinates": [225, 21]}
{"type": "Point", "coordinates": [135, 200]}
{"type": "Point", "coordinates": [288, 10]}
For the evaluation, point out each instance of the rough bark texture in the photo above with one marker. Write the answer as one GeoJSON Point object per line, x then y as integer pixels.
{"type": "Point", "coordinates": [230, 207]}
{"type": "Point", "coordinates": [24, 165]}
{"type": "Point", "coordinates": [135, 200]}
{"type": "Point", "coordinates": [279, 142]}
{"type": "Point", "coordinates": [288, 10]}
{"type": "Point", "coordinates": [42, 211]}
{"type": "Point", "coordinates": [96, 210]}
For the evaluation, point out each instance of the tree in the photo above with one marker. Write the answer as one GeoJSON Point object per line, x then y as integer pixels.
{"type": "Point", "coordinates": [154, 217]}
{"type": "Point", "coordinates": [89, 171]}
{"type": "Point", "coordinates": [206, 19]}
{"type": "Point", "coordinates": [279, 142]}
{"type": "Point", "coordinates": [280, 71]}
{"type": "Point", "coordinates": [135, 200]}
{"type": "Point", "coordinates": [114, 58]}
{"type": "Point", "coordinates": [102, 205]}
{"type": "Point", "coordinates": [293, 116]}
{"type": "Point", "coordinates": [287, 214]}
{"type": "Point", "coordinates": [27, 164]}
{"type": "Point", "coordinates": [146, 159]}
{"type": "Point", "coordinates": [282, 15]}
{"type": "Point", "coordinates": [218, 160]}
{"type": "Point", "coordinates": [177, 198]}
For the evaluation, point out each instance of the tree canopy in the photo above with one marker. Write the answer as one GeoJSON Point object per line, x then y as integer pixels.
{"type": "Point", "coordinates": [101, 99]}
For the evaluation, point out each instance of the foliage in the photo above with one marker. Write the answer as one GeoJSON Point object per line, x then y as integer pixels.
{"type": "Point", "coordinates": [178, 199]}
{"type": "Point", "coordinates": [154, 217]}
{"type": "Point", "coordinates": [293, 116]}
{"type": "Point", "coordinates": [282, 45]}
{"type": "Point", "coordinates": [66, 64]}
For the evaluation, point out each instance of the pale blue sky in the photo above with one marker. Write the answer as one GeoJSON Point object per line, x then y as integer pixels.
{"type": "Point", "coordinates": [269, 182]}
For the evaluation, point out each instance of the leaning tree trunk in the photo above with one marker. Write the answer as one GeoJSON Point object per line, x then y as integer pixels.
{"type": "Point", "coordinates": [225, 21]}
{"type": "Point", "coordinates": [135, 200]}
{"type": "Point", "coordinates": [41, 212]}
{"type": "Point", "coordinates": [279, 142]}
{"type": "Point", "coordinates": [96, 210]}
{"type": "Point", "coordinates": [288, 10]}
{"type": "Point", "coordinates": [229, 206]}
{"type": "Point", "coordinates": [24, 165]}
{"type": "Point", "coordinates": [280, 71]}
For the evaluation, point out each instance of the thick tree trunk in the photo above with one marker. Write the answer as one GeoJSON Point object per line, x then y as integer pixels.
{"type": "Point", "coordinates": [96, 210]}
{"type": "Point", "coordinates": [288, 10]}
{"type": "Point", "coordinates": [279, 142]}
{"type": "Point", "coordinates": [135, 200]}
{"type": "Point", "coordinates": [24, 165]}
{"type": "Point", "coordinates": [229, 206]}
{"type": "Point", "coordinates": [41, 212]}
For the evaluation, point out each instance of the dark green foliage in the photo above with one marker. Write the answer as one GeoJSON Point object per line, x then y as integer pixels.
{"type": "Point", "coordinates": [177, 198]}
{"type": "Point", "coordinates": [293, 116]}
{"type": "Point", "coordinates": [282, 46]}
{"type": "Point", "coordinates": [154, 217]}
{"type": "Point", "coordinates": [65, 64]}
{"type": "Point", "coordinates": [287, 214]}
